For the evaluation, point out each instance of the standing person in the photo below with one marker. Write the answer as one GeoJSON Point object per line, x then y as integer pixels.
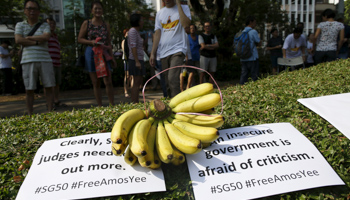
{"type": "Point", "coordinates": [192, 57]}
{"type": "Point", "coordinates": [194, 46]}
{"type": "Point", "coordinates": [301, 26]}
{"type": "Point", "coordinates": [294, 46]}
{"type": "Point", "coordinates": [5, 67]}
{"type": "Point", "coordinates": [55, 53]}
{"type": "Point", "coordinates": [90, 30]}
{"type": "Point", "coordinates": [327, 33]}
{"type": "Point", "coordinates": [36, 60]}
{"type": "Point", "coordinates": [125, 57]}
{"type": "Point", "coordinates": [186, 70]}
{"type": "Point", "coordinates": [274, 45]}
{"type": "Point", "coordinates": [208, 61]}
{"type": "Point", "coordinates": [136, 64]}
{"type": "Point", "coordinates": [149, 44]}
{"type": "Point", "coordinates": [344, 50]}
{"type": "Point", "coordinates": [162, 77]}
{"type": "Point", "coordinates": [170, 25]}
{"type": "Point", "coordinates": [252, 63]}
{"type": "Point", "coordinates": [310, 54]}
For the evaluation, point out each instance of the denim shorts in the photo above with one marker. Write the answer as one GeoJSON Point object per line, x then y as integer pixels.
{"type": "Point", "coordinates": [89, 61]}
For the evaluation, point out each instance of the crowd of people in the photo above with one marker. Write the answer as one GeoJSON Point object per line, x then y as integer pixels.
{"type": "Point", "coordinates": [328, 43]}
{"type": "Point", "coordinates": [173, 44]}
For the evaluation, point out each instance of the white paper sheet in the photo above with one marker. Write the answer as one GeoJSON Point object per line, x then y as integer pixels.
{"type": "Point", "coordinates": [84, 167]}
{"type": "Point", "coordinates": [333, 108]}
{"type": "Point", "coordinates": [257, 161]}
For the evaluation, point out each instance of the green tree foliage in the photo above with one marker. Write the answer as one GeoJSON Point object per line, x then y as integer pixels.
{"type": "Point", "coordinates": [228, 21]}
{"type": "Point", "coordinates": [11, 11]}
{"type": "Point", "coordinates": [347, 11]}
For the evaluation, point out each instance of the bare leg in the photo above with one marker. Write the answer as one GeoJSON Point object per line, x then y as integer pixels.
{"type": "Point", "coordinates": [211, 79]}
{"type": "Point", "coordinates": [181, 82]}
{"type": "Point", "coordinates": [274, 71]}
{"type": "Point", "coordinates": [135, 88]}
{"type": "Point", "coordinates": [131, 81]}
{"type": "Point", "coordinates": [97, 87]}
{"type": "Point", "coordinates": [201, 77]}
{"type": "Point", "coordinates": [190, 80]}
{"type": "Point", "coordinates": [109, 88]}
{"type": "Point", "coordinates": [30, 101]}
{"type": "Point", "coordinates": [49, 98]}
{"type": "Point", "coordinates": [126, 82]}
{"type": "Point", "coordinates": [56, 90]}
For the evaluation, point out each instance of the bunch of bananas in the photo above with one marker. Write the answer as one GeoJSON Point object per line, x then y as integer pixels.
{"type": "Point", "coordinates": [164, 133]}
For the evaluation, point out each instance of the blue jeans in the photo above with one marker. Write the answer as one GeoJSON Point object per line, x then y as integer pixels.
{"type": "Point", "coordinates": [162, 78]}
{"type": "Point", "coordinates": [249, 66]}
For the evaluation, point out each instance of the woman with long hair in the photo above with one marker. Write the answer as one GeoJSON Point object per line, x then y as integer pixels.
{"type": "Point", "coordinates": [90, 30]}
{"type": "Point", "coordinates": [136, 64]}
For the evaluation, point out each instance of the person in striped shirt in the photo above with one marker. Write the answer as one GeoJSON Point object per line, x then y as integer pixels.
{"type": "Point", "coordinates": [55, 53]}
{"type": "Point", "coordinates": [36, 60]}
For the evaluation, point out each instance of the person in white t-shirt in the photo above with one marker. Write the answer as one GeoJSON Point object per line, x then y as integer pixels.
{"type": "Point", "coordinates": [294, 45]}
{"type": "Point", "coordinates": [170, 25]}
{"type": "Point", "coordinates": [301, 26]}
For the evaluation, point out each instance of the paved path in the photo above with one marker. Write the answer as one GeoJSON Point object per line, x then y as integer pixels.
{"type": "Point", "coordinates": [18, 108]}
{"type": "Point", "coordinates": [76, 99]}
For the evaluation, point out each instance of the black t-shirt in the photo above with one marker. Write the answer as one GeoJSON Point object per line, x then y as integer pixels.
{"type": "Point", "coordinates": [275, 42]}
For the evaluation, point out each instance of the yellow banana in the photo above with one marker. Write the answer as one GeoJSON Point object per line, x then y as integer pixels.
{"type": "Point", "coordinates": [191, 93]}
{"type": "Point", "coordinates": [199, 104]}
{"type": "Point", "coordinates": [163, 145]}
{"type": "Point", "coordinates": [148, 159]}
{"type": "Point", "coordinates": [157, 162]}
{"type": "Point", "coordinates": [124, 124]}
{"type": "Point", "coordinates": [208, 112]}
{"type": "Point", "coordinates": [202, 133]}
{"type": "Point", "coordinates": [209, 121]}
{"type": "Point", "coordinates": [129, 157]}
{"type": "Point", "coordinates": [205, 145]}
{"type": "Point", "coordinates": [138, 137]}
{"type": "Point", "coordinates": [179, 157]}
{"type": "Point", "coordinates": [143, 162]}
{"type": "Point", "coordinates": [118, 149]}
{"type": "Point", "coordinates": [181, 141]}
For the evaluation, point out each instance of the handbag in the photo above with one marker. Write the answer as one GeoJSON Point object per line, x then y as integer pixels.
{"type": "Point", "coordinates": [80, 62]}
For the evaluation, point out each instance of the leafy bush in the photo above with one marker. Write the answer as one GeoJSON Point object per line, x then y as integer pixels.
{"type": "Point", "coordinates": [269, 100]}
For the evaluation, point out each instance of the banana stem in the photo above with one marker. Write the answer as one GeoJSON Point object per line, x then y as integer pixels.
{"type": "Point", "coordinates": [158, 110]}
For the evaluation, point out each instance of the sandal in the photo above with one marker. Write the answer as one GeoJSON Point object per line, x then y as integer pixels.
{"type": "Point", "coordinates": [126, 95]}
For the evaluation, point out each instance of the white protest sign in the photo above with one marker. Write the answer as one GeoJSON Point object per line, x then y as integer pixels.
{"type": "Point", "coordinates": [258, 161]}
{"type": "Point", "coordinates": [84, 167]}
{"type": "Point", "coordinates": [333, 108]}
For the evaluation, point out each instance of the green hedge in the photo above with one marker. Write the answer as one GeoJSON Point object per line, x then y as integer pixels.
{"type": "Point", "coordinates": [269, 100]}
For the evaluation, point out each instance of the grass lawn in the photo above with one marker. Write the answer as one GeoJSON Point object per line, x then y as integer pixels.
{"type": "Point", "coordinates": [269, 100]}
